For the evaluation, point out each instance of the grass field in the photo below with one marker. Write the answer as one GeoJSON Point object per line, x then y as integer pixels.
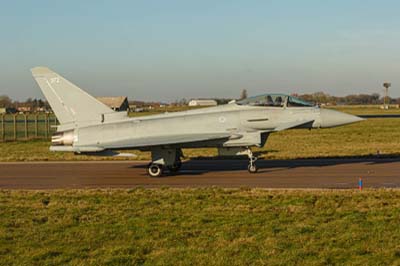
{"type": "Point", "coordinates": [211, 226]}
{"type": "Point", "coordinates": [199, 227]}
{"type": "Point", "coordinates": [41, 126]}
{"type": "Point", "coordinates": [365, 109]}
{"type": "Point", "coordinates": [361, 139]}
{"type": "Point", "coordinates": [38, 130]}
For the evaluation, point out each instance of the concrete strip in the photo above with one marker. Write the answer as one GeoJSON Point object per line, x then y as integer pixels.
{"type": "Point", "coordinates": [318, 173]}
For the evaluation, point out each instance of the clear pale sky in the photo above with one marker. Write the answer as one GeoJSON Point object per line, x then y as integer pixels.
{"type": "Point", "coordinates": [167, 50]}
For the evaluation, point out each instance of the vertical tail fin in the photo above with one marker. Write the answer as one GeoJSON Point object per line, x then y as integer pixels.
{"type": "Point", "coordinates": [69, 103]}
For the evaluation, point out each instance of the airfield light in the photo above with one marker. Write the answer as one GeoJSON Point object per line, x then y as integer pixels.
{"type": "Point", "coordinates": [386, 86]}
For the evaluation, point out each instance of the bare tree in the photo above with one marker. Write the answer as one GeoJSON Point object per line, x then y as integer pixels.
{"type": "Point", "coordinates": [5, 101]}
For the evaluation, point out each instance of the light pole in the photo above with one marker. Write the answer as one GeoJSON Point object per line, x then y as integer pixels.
{"type": "Point", "coordinates": [386, 85]}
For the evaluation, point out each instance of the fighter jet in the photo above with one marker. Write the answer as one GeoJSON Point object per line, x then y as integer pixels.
{"type": "Point", "coordinates": [87, 126]}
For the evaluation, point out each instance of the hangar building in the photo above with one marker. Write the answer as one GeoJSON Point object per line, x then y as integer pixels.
{"type": "Point", "coordinates": [202, 102]}
{"type": "Point", "coordinates": [118, 104]}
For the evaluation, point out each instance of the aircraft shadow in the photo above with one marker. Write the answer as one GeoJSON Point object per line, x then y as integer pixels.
{"type": "Point", "coordinates": [198, 166]}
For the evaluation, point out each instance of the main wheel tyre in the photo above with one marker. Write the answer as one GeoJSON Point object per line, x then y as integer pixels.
{"type": "Point", "coordinates": [252, 168]}
{"type": "Point", "coordinates": [155, 170]}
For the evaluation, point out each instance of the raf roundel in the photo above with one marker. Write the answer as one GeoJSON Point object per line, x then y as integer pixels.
{"type": "Point", "coordinates": [222, 119]}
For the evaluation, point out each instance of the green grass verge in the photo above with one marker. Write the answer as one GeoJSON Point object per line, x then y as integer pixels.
{"type": "Point", "coordinates": [360, 139]}
{"type": "Point", "coordinates": [365, 109]}
{"type": "Point", "coordinates": [199, 227]}
{"type": "Point", "coordinates": [39, 131]}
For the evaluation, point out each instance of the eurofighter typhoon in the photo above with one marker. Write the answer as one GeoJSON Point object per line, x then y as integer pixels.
{"type": "Point", "coordinates": [87, 126]}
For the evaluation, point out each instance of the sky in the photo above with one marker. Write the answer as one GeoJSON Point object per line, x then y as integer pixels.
{"type": "Point", "coordinates": [169, 50]}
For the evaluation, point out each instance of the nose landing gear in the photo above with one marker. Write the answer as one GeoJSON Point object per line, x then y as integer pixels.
{"type": "Point", "coordinates": [252, 167]}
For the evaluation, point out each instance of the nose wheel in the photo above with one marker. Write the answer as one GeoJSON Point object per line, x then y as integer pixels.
{"type": "Point", "coordinates": [252, 167]}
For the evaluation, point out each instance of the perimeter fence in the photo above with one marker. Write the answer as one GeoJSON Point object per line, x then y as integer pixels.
{"type": "Point", "coordinates": [15, 127]}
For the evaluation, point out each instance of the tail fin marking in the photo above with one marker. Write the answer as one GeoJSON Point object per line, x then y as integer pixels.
{"type": "Point", "coordinates": [69, 103]}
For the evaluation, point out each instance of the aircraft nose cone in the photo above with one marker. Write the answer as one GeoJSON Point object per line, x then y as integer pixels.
{"type": "Point", "coordinates": [332, 118]}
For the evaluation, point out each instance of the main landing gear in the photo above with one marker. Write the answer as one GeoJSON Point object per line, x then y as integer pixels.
{"type": "Point", "coordinates": [175, 167]}
{"type": "Point", "coordinates": [164, 159]}
{"type": "Point", "coordinates": [170, 160]}
{"type": "Point", "coordinates": [157, 170]}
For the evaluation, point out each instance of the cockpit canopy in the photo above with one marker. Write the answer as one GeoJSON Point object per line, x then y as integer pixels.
{"type": "Point", "coordinates": [275, 100]}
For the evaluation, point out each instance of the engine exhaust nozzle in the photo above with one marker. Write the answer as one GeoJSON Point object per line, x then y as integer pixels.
{"type": "Point", "coordinates": [63, 138]}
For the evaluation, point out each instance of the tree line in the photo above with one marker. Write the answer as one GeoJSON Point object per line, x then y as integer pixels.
{"type": "Point", "coordinates": [317, 98]}
{"type": "Point", "coordinates": [33, 103]}
{"type": "Point", "coordinates": [352, 99]}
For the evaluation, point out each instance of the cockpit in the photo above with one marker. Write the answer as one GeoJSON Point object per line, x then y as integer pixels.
{"type": "Point", "coordinates": [274, 100]}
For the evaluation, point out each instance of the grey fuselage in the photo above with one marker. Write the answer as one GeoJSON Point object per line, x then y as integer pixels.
{"type": "Point", "coordinates": [229, 125]}
{"type": "Point", "coordinates": [89, 126]}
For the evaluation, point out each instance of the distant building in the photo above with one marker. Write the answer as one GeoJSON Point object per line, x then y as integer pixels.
{"type": "Point", "coordinates": [141, 106]}
{"type": "Point", "coordinates": [24, 109]}
{"type": "Point", "coordinates": [135, 104]}
{"type": "Point", "coordinates": [202, 102]}
{"type": "Point", "coordinates": [136, 109]}
{"type": "Point", "coordinates": [119, 103]}
{"type": "Point", "coordinates": [7, 110]}
{"type": "Point", "coordinates": [41, 109]}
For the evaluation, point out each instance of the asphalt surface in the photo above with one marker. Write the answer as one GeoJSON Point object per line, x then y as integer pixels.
{"type": "Point", "coordinates": [318, 173]}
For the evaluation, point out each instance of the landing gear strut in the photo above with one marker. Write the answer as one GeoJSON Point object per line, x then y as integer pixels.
{"type": "Point", "coordinates": [175, 167]}
{"type": "Point", "coordinates": [252, 168]}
